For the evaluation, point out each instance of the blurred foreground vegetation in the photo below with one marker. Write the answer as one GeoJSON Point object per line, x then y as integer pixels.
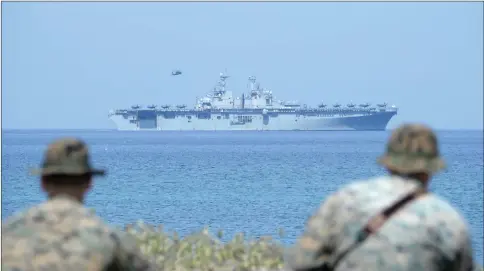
{"type": "Point", "coordinates": [203, 251]}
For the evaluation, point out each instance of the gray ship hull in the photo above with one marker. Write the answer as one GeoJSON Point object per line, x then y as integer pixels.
{"type": "Point", "coordinates": [158, 121]}
{"type": "Point", "coordinates": [257, 110]}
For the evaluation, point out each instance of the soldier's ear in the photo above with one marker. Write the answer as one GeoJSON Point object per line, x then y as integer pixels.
{"type": "Point", "coordinates": [89, 184]}
{"type": "Point", "coordinates": [425, 177]}
{"type": "Point", "coordinates": [43, 184]}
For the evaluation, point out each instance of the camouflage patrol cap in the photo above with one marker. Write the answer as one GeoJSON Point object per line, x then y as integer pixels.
{"type": "Point", "coordinates": [412, 148]}
{"type": "Point", "coordinates": [67, 156]}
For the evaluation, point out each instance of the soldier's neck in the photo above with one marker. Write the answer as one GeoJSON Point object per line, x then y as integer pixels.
{"type": "Point", "coordinates": [413, 178]}
{"type": "Point", "coordinates": [58, 195]}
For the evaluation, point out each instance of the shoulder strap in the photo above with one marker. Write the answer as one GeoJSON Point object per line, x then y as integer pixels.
{"type": "Point", "coordinates": [377, 221]}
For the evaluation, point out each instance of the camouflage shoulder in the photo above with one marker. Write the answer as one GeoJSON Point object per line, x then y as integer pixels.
{"type": "Point", "coordinates": [380, 184]}
{"type": "Point", "coordinates": [17, 219]}
{"type": "Point", "coordinates": [318, 242]}
{"type": "Point", "coordinates": [128, 252]}
{"type": "Point", "coordinates": [7, 223]}
{"type": "Point", "coordinates": [449, 212]}
{"type": "Point", "coordinates": [316, 245]}
{"type": "Point", "coordinates": [450, 231]}
{"type": "Point", "coordinates": [361, 185]}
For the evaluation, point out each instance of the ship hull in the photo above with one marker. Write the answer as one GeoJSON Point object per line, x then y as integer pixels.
{"type": "Point", "coordinates": [146, 121]}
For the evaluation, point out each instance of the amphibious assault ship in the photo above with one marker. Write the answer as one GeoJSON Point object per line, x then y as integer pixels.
{"type": "Point", "coordinates": [256, 110]}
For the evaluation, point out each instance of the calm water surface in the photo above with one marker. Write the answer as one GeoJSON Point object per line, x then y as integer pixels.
{"type": "Point", "coordinates": [255, 182]}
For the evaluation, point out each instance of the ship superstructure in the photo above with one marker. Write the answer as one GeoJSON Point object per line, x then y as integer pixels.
{"type": "Point", "coordinates": [256, 109]}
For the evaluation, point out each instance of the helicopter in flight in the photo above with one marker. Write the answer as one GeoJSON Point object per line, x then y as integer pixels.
{"type": "Point", "coordinates": [176, 72]}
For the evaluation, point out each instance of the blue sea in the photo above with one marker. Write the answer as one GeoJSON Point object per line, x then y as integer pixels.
{"type": "Point", "coordinates": [252, 182]}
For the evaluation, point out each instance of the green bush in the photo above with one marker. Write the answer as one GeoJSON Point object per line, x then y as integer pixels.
{"type": "Point", "coordinates": [203, 251]}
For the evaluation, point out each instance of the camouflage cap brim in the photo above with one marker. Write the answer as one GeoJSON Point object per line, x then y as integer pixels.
{"type": "Point", "coordinates": [406, 165]}
{"type": "Point", "coordinates": [67, 171]}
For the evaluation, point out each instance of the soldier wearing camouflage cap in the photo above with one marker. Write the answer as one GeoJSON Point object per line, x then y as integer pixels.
{"type": "Point", "coordinates": [426, 233]}
{"type": "Point", "coordinates": [61, 234]}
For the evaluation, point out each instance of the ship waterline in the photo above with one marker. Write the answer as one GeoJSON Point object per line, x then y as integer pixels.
{"type": "Point", "coordinates": [216, 122]}
{"type": "Point", "coordinates": [256, 111]}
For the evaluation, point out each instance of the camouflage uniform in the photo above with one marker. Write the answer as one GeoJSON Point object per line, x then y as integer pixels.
{"type": "Point", "coordinates": [61, 234]}
{"type": "Point", "coordinates": [427, 234]}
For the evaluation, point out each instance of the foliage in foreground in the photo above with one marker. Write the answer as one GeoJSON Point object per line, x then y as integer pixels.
{"type": "Point", "coordinates": [202, 251]}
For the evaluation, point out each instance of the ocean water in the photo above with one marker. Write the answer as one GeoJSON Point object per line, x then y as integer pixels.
{"type": "Point", "coordinates": [252, 182]}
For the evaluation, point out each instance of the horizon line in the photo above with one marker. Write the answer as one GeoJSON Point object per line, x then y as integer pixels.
{"type": "Point", "coordinates": [116, 130]}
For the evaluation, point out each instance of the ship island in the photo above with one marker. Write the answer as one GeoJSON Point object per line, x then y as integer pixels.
{"type": "Point", "coordinates": [255, 110]}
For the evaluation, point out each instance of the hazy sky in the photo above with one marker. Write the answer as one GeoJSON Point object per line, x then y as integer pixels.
{"type": "Point", "coordinates": [65, 65]}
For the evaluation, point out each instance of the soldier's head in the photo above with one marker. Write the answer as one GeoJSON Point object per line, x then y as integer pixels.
{"type": "Point", "coordinates": [413, 151]}
{"type": "Point", "coordinates": [66, 169]}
